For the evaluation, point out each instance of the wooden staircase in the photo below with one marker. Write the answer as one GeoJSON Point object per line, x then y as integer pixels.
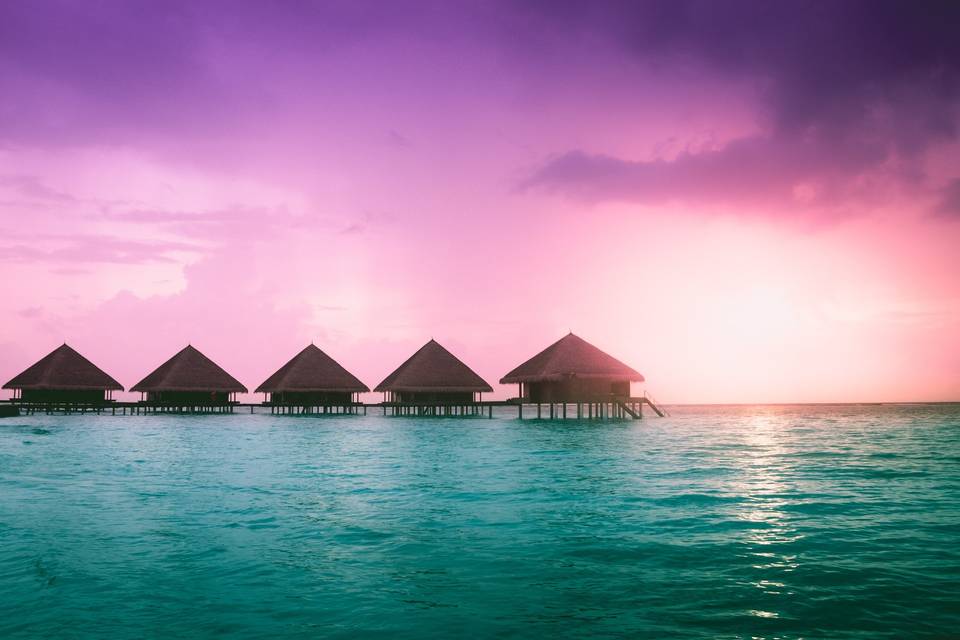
{"type": "Point", "coordinates": [627, 406]}
{"type": "Point", "coordinates": [627, 410]}
{"type": "Point", "coordinates": [657, 408]}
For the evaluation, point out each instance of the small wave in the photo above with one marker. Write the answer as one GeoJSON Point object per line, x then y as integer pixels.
{"type": "Point", "coordinates": [698, 498]}
{"type": "Point", "coordinates": [824, 508]}
{"type": "Point", "coordinates": [818, 454]}
{"type": "Point", "coordinates": [258, 523]}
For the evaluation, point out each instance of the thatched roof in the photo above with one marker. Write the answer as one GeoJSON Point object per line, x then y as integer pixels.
{"type": "Point", "coordinates": [189, 370]}
{"type": "Point", "coordinates": [64, 368]}
{"type": "Point", "coordinates": [312, 370]}
{"type": "Point", "coordinates": [571, 357]}
{"type": "Point", "coordinates": [433, 368]}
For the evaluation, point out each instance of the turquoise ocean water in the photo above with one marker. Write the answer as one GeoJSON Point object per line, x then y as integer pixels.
{"type": "Point", "coordinates": [738, 522]}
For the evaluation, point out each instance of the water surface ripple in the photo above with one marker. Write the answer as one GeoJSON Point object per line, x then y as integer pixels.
{"type": "Point", "coordinates": [737, 522]}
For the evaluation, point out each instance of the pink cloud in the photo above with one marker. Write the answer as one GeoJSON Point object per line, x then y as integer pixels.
{"type": "Point", "coordinates": [91, 249]}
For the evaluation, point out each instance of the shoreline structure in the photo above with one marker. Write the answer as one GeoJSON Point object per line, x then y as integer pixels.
{"type": "Point", "coordinates": [570, 378]}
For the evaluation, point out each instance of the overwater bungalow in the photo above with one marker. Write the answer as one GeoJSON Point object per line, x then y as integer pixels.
{"type": "Point", "coordinates": [573, 371]}
{"type": "Point", "coordinates": [435, 381]}
{"type": "Point", "coordinates": [189, 380]}
{"type": "Point", "coordinates": [310, 381]}
{"type": "Point", "coordinates": [63, 377]}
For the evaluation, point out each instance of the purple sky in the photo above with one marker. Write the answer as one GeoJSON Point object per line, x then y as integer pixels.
{"type": "Point", "coordinates": [746, 201]}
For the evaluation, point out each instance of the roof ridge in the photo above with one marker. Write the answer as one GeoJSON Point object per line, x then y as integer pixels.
{"type": "Point", "coordinates": [425, 377]}
{"type": "Point", "coordinates": [554, 350]}
{"type": "Point", "coordinates": [189, 368]}
{"type": "Point", "coordinates": [66, 368]}
{"type": "Point", "coordinates": [176, 362]}
{"type": "Point", "coordinates": [571, 356]}
{"type": "Point", "coordinates": [312, 368]}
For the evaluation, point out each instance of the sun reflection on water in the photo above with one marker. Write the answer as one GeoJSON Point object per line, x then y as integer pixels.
{"type": "Point", "coordinates": [764, 495]}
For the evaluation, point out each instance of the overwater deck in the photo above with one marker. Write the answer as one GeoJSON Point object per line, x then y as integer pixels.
{"type": "Point", "coordinates": [630, 408]}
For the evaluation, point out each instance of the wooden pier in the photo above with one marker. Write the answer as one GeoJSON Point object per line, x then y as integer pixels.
{"type": "Point", "coordinates": [609, 409]}
{"type": "Point", "coordinates": [119, 408]}
{"type": "Point", "coordinates": [570, 379]}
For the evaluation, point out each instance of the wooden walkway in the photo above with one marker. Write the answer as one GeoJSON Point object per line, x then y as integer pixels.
{"type": "Point", "coordinates": [608, 409]}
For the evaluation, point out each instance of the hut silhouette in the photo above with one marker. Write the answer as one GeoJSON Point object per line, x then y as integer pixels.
{"type": "Point", "coordinates": [572, 370]}
{"type": "Point", "coordinates": [64, 376]}
{"type": "Point", "coordinates": [435, 376]}
{"type": "Point", "coordinates": [312, 379]}
{"type": "Point", "coordinates": [189, 379]}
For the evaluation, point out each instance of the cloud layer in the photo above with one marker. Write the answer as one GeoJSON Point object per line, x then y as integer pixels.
{"type": "Point", "coordinates": [849, 92]}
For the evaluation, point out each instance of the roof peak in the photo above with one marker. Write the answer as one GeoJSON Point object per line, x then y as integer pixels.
{"type": "Point", "coordinates": [433, 368]}
{"type": "Point", "coordinates": [189, 370]}
{"type": "Point", "coordinates": [312, 370]}
{"type": "Point", "coordinates": [64, 368]}
{"type": "Point", "coordinates": [571, 356]}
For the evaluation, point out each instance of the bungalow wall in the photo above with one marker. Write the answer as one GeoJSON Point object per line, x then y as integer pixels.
{"type": "Point", "coordinates": [189, 398]}
{"type": "Point", "coordinates": [432, 397]}
{"type": "Point", "coordinates": [312, 398]}
{"type": "Point", "coordinates": [71, 396]}
{"type": "Point", "coordinates": [575, 390]}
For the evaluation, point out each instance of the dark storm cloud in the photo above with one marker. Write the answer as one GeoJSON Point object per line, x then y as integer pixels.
{"type": "Point", "coordinates": [757, 171]}
{"type": "Point", "coordinates": [850, 91]}
{"type": "Point", "coordinates": [949, 204]}
{"type": "Point", "coordinates": [847, 88]}
{"type": "Point", "coordinates": [76, 72]}
{"type": "Point", "coordinates": [70, 70]}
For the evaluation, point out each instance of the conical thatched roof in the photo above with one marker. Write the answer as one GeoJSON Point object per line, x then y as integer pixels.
{"type": "Point", "coordinates": [433, 368]}
{"type": "Point", "coordinates": [189, 370]}
{"type": "Point", "coordinates": [64, 368]}
{"type": "Point", "coordinates": [571, 357]}
{"type": "Point", "coordinates": [312, 370]}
